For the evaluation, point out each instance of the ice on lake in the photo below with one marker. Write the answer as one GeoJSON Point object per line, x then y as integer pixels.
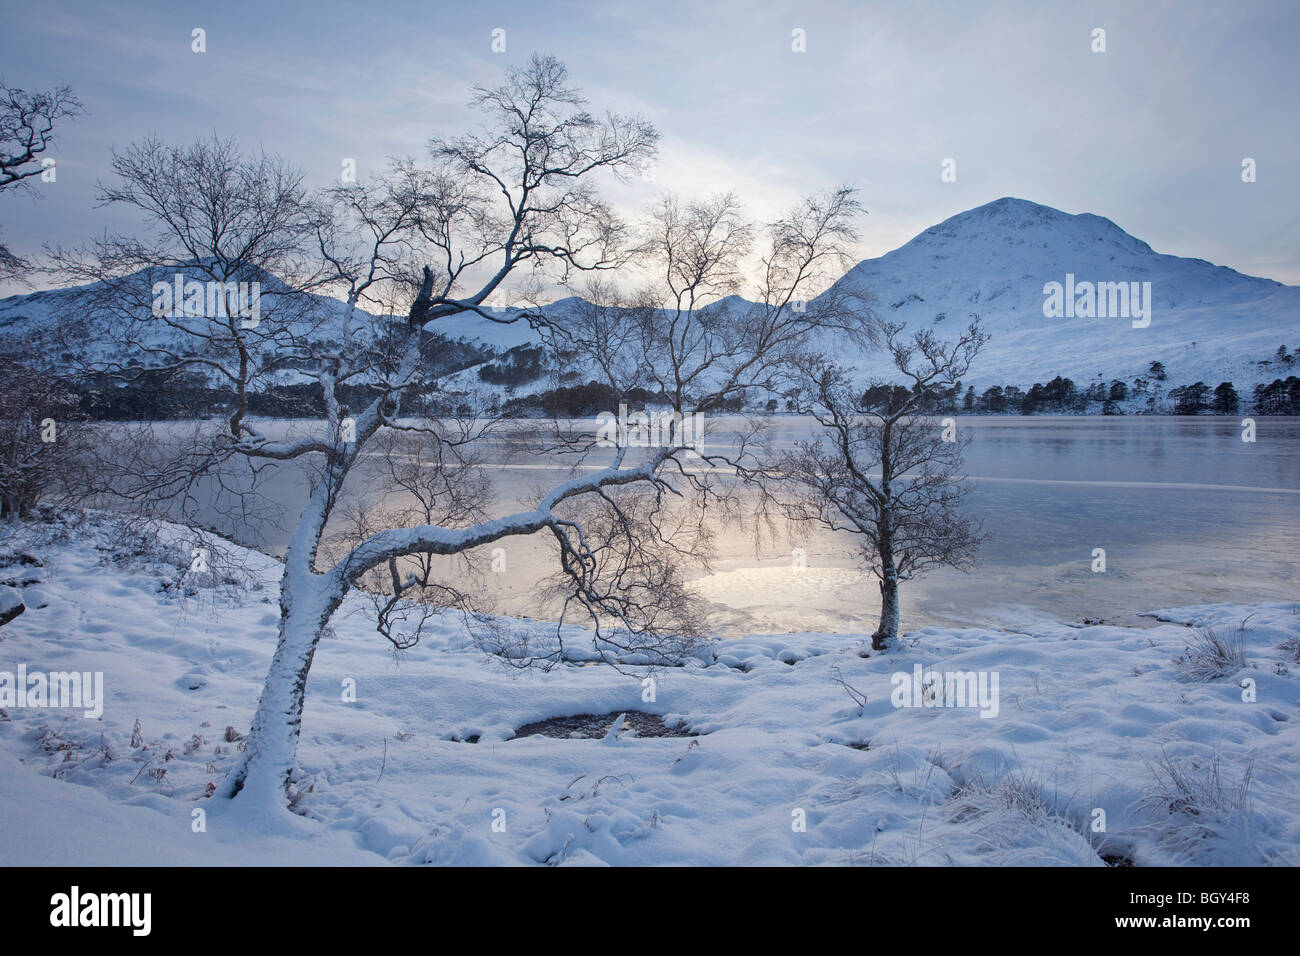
{"type": "Point", "coordinates": [1185, 510]}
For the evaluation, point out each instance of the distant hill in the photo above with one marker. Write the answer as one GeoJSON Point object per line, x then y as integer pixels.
{"type": "Point", "coordinates": [1206, 322]}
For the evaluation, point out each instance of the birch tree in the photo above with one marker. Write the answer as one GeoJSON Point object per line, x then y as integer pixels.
{"type": "Point", "coordinates": [426, 242]}
{"type": "Point", "coordinates": [27, 132]}
{"type": "Point", "coordinates": [442, 237]}
{"type": "Point", "coordinates": [883, 474]}
{"type": "Point", "coordinates": [703, 337]}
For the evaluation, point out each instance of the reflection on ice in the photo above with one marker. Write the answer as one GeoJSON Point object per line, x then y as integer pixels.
{"type": "Point", "coordinates": [1186, 511]}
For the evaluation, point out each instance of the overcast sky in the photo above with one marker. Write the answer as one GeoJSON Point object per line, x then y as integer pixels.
{"type": "Point", "coordinates": [1151, 133]}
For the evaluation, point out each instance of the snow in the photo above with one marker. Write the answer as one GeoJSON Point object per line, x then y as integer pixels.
{"type": "Point", "coordinates": [11, 600]}
{"type": "Point", "coordinates": [1209, 323]}
{"type": "Point", "coordinates": [51, 823]}
{"type": "Point", "coordinates": [1089, 719]}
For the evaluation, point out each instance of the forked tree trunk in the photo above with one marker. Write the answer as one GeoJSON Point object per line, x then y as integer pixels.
{"type": "Point", "coordinates": [263, 773]}
{"type": "Point", "coordinates": [260, 780]}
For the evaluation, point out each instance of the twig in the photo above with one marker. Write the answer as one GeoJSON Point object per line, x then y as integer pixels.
{"type": "Point", "coordinates": [858, 697]}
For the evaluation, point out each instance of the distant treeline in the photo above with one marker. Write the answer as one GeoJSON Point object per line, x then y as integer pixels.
{"type": "Point", "coordinates": [187, 395]}
{"type": "Point", "coordinates": [168, 396]}
{"type": "Point", "coordinates": [1062, 396]}
{"type": "Point", "coordinates": [519, 366]}
{"type": "Point", "coordinates": [585, 401]}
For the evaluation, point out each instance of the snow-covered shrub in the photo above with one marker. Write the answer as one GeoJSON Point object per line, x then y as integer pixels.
{"type": "Point", "coordinates": [1016, 792]}
{"type": "Point", "coordinates": [1193, 802]}
{"type": "Point", "coordinates": [1004, 822]}
{"type": "Point", "coordinates": [190, 562]}
{"type": "Point", "coordinates": [1212, 653]}
{"type": "Point", "coordinates": [1292, 644]}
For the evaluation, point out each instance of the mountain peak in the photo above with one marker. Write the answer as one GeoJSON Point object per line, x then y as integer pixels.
{"type": "Point", "coordinates": [1013, 205]}
{"type": "Point", "coordinates": [1009, 224]}
{"type": "Point", "coordinates": [1021, 221]}
{"type": "Point", "coordinates": [992, 264]}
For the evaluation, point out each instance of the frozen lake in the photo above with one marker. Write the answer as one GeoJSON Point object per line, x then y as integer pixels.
{"type": "Point", "coordinates": [1186, 511]}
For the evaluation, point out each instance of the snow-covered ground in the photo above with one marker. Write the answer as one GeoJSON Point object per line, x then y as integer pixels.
{"type": "Point", "coordinates": [1089, 726]}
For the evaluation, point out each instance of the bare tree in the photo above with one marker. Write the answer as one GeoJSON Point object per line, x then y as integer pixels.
{"type": "Point", "coordinates": [442, 238]}
{"type": "Point", "coordinates": [701, 348]}
{"type": "Point", "coordinates": [219, 283]}
{"type": "Point", "coordinates": [43, 439]}
{"type": "Point", "coordinates": [884, 473]}
{"type": "Point", "coordinates": [424, 243]}
{"type": "Point", "coordinates": [27, 122]}
{"type": "Point", "coordinates": [688, 338]}
{"type": "Point", "coordinates": [216, 288]}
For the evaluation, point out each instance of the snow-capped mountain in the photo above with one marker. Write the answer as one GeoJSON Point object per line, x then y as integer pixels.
{"type": "Point", "coordinates": [1201, 321]}
{"type": "Point", "coordinates": [39, 317]}
{"type": "Point", "coordinates": [1206, 322]}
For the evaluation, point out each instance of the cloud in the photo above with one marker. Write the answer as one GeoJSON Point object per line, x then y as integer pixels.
{"type": "Point", "coordinates": [1150, 133]}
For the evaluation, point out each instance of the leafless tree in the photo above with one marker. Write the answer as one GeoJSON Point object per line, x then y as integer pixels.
{"type": "Point", "coordinates": [218, 284]}
{"type": "Point", "coordinates": [426, 242]}
{"type": "Point", "coordinates": [439, 237]}
{"type": "Point", "coordinates": [44, 442]}
{"type": "Point", "coordinates": [27, 122]}
{"type": "Point", "coordinates": [884, 473]}
{"type": "Point", "coordinates": [689, 338]}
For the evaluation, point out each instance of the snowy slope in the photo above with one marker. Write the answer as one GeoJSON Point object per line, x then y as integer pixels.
{"type": "Point", "coordinates": [1088, 718]}
{"type": "Point", "coordinates": [1208, 322]}
{"type": "Point", "coordinates": [43, 316]}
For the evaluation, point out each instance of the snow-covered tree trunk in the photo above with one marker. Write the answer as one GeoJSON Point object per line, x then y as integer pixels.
{"type": "Point", "coordinates": [263, 773]}
{"type": "Point", "coordinates": [307, 599]}
{"type": "Point", "coordinates": [888, 629]}
{"type": "Point", "coordinates": [888, 571]}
